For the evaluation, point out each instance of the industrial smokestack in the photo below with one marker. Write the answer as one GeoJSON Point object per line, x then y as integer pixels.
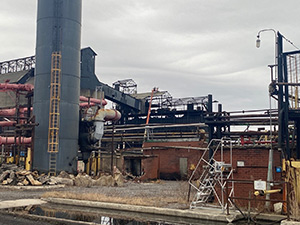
{"type": "Point", "coordinates": [58, 30]}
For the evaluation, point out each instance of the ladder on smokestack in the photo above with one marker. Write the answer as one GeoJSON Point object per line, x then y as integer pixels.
{"type": "Point", "coordinates": [53, 131]}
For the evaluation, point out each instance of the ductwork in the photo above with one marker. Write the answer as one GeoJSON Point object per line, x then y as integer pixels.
{"type": "Point", "coordinates": [107, 115]}
{"type": "Point", "coordinates": [100, 117]}
{"type": "Point", "coordinates": [87, 138]}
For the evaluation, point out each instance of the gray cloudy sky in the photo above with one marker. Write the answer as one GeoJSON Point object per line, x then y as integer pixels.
{"type": "Point", "coordinates": [188, 47]}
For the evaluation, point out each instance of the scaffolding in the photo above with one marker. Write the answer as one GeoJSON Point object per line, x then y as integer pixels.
{"type": "Point", "coordinates": [127, 86]}
{"type": "Point", "coordinates": [292, 64]}
{"type": "Point", "coordinates": [53, 132]}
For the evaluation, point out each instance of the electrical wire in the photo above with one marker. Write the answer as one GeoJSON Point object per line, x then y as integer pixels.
{"type": "Point", "coordinates": [290, 42]}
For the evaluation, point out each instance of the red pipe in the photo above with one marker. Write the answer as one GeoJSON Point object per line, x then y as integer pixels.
{"type": "Point", "coordinates": [7, 123]}
{"type": "Point", "coordinates": [86, 104]}
{"type": "Point", "coordinates": [8, 112]}
{"type": "Point", "coordinates": [15, 87]}
{"type": "Point", "coordinates": [11, 140]}
{"type": "Point", "coordinates": [11, 112]}
{"type": "Point", "coordinates": [92, 100]}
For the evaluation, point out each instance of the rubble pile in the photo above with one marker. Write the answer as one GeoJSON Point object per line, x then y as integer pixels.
{"type": "Point", "coordinates": [11, 174]}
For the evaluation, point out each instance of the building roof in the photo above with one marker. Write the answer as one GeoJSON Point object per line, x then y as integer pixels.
{"type": "Point", "coordinates": [15, 77]}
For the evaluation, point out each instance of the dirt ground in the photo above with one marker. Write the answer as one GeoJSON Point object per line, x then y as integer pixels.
{"type": "Point", "coordinates": [169, 194]}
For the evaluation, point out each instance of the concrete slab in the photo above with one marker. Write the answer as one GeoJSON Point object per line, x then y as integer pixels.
{"type": "Point", "coordinates": [43, 187]}
{"type": "Point", "coordinates": [205, 214]}
{"type": "Point", "coordinates": [286, 222]}
{"type": "Point", "coordinates": [20, 203]}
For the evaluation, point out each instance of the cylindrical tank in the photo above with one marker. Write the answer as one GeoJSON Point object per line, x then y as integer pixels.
{"type": "Point", "coordinates": [58, 29]}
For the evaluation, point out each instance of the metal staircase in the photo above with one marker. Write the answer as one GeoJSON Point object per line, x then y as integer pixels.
{"type": "Point", "coordinates": [53, 132]}
{"type": "Point", "coordinates": [214, 174]}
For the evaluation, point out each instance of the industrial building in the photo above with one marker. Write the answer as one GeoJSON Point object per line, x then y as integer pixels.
{"type": "Point", "coordinates": [45, 100]}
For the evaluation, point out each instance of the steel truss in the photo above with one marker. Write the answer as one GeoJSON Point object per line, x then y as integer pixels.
{"type": "Point", "coordinates": [17, 65]}
{"type": "Point", "coordinates": [127, 86]}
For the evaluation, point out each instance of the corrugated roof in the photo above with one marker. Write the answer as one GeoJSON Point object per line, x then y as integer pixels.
{"type": "Point", "coordinates": [13, 77]}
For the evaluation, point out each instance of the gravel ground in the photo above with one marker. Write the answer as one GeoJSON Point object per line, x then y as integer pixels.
{"type": "Point", "coordinates": [129, 190]}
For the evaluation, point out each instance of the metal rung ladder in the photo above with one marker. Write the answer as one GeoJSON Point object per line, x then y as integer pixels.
{"type": "Point", "coordinates": [54, 115]}
{"type": "Point", "coordinates": [52, 163]}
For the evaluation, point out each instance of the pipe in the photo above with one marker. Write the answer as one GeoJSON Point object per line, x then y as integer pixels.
{"type": "Point", "coordinates": [86, 104]}
{"type": "Point", "coordinates": [149, 109]}
{"type": "Point", "coordinates": [93, 100]}
{"type": "Point", "coordinates": [7, 123]}
{"type": "Point", "coordinates": [266, 192]}
{"type": "Point", "coordinates": [8, 112]}
{"type": "Point", "coordinates": [11, 140]}
{"type": "Point", "coordinates": [12, 111]}
{"type": "Point", "coordinates": [15, 87]}
{"type": "Point", "coordinates": [107, 115]}
{"type": "Point", "coordinates": [99, 118]}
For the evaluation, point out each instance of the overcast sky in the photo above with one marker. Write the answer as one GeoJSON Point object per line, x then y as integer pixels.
{"type": "Point", "coordinates": [187, 47]}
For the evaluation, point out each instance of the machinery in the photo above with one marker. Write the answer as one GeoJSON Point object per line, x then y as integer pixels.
{"type": "Point", "coordinates": [91, 128]}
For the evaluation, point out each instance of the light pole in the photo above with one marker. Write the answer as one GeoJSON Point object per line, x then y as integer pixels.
{"type": "Point", "coordinates": [270, 162]}
{"type": "Point", "coordinates": [276, 41]}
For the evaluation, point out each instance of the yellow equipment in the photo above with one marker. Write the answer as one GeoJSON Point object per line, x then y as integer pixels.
{"type": "Point", "coordinates": [265, 192]}
{"type": "Point", "coordinates": [291, 170]}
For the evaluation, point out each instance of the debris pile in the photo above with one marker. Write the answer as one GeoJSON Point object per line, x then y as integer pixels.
{"type": "Point", "coordinates": [11, 174]}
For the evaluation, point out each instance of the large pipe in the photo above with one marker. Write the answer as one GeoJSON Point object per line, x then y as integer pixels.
{"type": "Point", "coordinates": [58, 30]}
{"type": "Point", "coordinates": [100, 117]}
{"type": "Point", "coordinates": [11, 140]}
{"type": "Point", "coordinates": [107, 115]}
{"type": "Point", "coordinates": [7, 123]}
{"type": "Point", "coordinates": [93, 100]}
{"type": "Point", "coordinates": [15, 87]}
{"type": "Point", "coordinates": [12, 111]}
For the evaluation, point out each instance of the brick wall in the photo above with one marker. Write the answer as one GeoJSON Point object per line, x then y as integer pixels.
{"type": "Point", "coordinates": [167, 164]}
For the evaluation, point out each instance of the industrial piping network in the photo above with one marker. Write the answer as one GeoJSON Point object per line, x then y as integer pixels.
{"type": "Point", "coordinates": [11, 140]}
{"type": "Point", "coordinates": [86, 102]}
{"type": "Point", "coordinates": [101, 114]}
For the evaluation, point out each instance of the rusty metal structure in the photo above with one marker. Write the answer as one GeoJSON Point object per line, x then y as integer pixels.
{"type": "Point", "coordinates": [17, 124]}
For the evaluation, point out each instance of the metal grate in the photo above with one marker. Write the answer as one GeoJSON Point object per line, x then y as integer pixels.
{"type": "Point", "coordinates": [17, 65]}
